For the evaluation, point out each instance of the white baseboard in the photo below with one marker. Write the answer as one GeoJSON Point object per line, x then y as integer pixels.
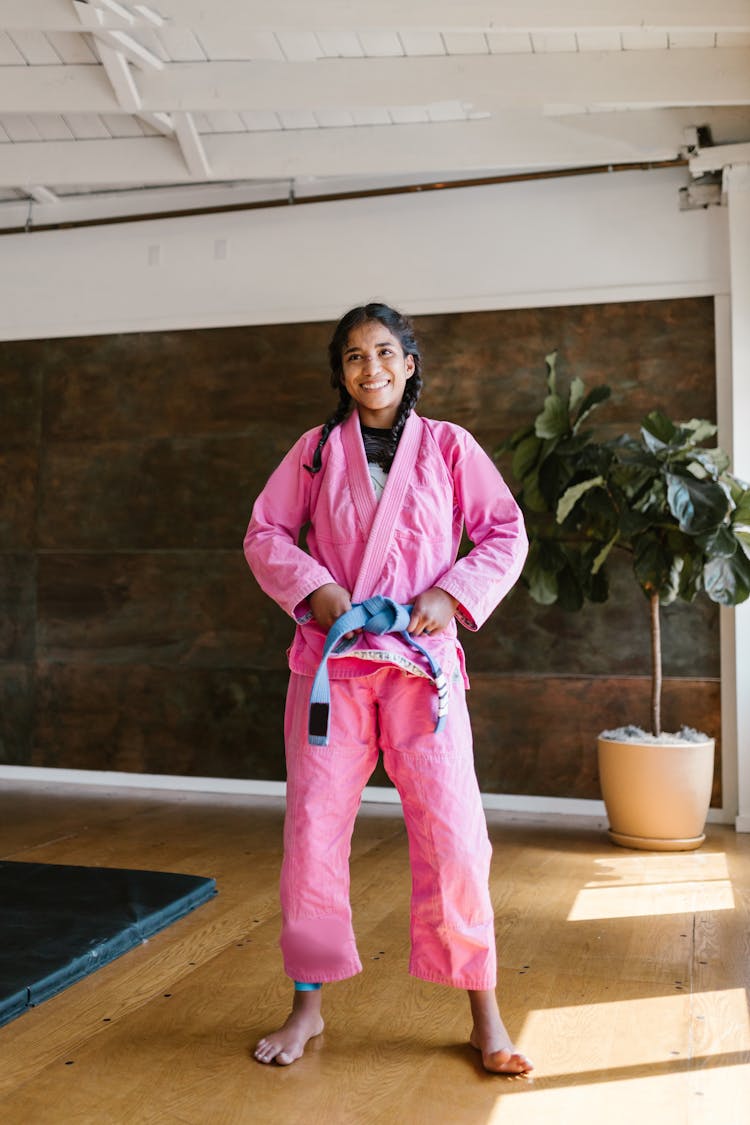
{"type": "Point", "coordinates": [501, 802]}
{"type": "Point", "coordinates": [112, 779]}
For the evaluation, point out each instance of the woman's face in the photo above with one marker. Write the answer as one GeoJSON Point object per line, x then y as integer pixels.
{"type": "Point", "coordinates": [375, 371]}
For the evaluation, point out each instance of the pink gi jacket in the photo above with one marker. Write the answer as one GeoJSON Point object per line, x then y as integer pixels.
{"type": "Point", "coordinates": [440, 480]}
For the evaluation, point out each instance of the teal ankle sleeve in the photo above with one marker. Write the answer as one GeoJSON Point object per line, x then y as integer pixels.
{"type": "Point", "coordinates": [303, 986]}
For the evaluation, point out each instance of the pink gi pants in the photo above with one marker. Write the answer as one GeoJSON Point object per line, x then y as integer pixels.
{"type": "Point", "coordinates": [452, 924]}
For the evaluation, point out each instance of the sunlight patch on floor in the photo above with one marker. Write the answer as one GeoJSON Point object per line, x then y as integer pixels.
{"type": "Point", "coordinates": [643, 885]}
{"type": "Point", "coordinates": [720, 1095]}
{"type": "Point", "coordinates": [660, 867]}
{"type": "Point", "coordinates": [651, 898]}
{"type": "Point", "coordinates": [638, 1032]}
{"type": "Point", "coordinates": [659, 1058]}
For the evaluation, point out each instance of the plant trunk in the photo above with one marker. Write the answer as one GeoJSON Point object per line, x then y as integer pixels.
{"type": "Point", "coordinates": [655, 667]}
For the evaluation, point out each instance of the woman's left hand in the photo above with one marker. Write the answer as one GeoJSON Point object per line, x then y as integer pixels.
{"type": "Point", "coordinates": [432, 611]}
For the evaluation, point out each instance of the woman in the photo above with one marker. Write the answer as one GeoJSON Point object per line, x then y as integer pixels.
{"type": "Point", "coordinates": [385, 495]}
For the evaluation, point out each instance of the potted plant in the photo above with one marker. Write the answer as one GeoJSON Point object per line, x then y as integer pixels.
{"type": "Point", "coordinates": [671, 502]}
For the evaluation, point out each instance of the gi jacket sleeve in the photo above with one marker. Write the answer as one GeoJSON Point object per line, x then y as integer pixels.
{"type": "Point", "coordinates": [494, 524]}
{"type": "Point", "coordinates": [282, 569]}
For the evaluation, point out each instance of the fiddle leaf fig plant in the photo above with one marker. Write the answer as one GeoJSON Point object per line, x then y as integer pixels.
{"type": "Point", "coordinates": [666, 497]}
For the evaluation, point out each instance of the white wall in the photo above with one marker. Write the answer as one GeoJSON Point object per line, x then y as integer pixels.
{"type": "Point", "coordinates": [583, 239]}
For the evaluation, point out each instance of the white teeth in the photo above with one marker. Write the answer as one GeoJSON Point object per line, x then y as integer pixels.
{"type": "Point", "coordinates": [375, 386]}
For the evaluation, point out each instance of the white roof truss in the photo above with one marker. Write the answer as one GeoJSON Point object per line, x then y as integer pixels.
{"type": "Point", "coordinates": [106, 95]}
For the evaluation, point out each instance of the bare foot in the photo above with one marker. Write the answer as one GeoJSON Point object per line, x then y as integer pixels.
{"type": "Point", "coordinates": [490, 1037]}
{"type": "Point", "coordinates": [288, 1043]}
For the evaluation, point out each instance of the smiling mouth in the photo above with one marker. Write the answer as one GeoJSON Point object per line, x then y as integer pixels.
{"type": "Point", "coordinates": [374, 386]}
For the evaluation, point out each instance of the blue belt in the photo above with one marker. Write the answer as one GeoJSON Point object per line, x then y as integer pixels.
{"type": "Point", "coordinates": [375, 615]}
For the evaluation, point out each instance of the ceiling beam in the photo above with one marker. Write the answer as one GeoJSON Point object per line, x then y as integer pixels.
{"type": "Point", "coordinates": [721, 156]}
{"type": "Point", "coordinates": [41, 194]}
{"type": "Point", "coordinates": [94, 15]}
{"type": "Point", "coordinates": [131, 48]}
{"type": "Point", "coordinates": [502, 144]}
{"type": "Point", "coordinates": [121, 76]}
{"type": "Point", "coordinates": [191, 145]}
{"type": "Point", "coordinates": [89, 90]}
{"type": "Point", "coordinates": [162, 122]}
{"type": "Point", "coordinates": [433, 15]}
{"type": "Point", "coordinates": [701, 76]}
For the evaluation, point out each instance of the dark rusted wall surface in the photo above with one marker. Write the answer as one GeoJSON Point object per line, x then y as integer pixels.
{"type": "Point", "coordinates": [132, 636]}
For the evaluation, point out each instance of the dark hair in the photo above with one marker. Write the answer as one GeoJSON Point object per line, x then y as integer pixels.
{"type": "Point", "coordinates": [400, 327]}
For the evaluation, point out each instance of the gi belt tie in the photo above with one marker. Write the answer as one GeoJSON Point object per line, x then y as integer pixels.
{"type": "Point", "coordinates": [375, 615]}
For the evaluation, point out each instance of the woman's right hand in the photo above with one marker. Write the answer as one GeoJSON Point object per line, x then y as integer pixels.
{"type": "Point", "coordinates": [328, 603]}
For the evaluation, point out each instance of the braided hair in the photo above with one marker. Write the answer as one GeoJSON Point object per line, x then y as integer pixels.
{"type": "Point", "coordinates": [400, 327]}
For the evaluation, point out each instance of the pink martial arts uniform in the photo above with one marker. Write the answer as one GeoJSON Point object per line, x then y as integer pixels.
{"type": "Point", "coordinates": [382, 699]}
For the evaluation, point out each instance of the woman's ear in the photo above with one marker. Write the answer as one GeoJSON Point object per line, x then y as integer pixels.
{"type": "Point", "coordinates": [409, 366]}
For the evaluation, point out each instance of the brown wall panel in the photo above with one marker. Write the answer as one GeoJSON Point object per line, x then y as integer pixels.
{"type": "Point", "coordinates": [612, 638]}
{"type": "Point", "coordinates": [537, 734]}
{"type": "Point", "coordinates": [134, 637]}
{"type": "Point", "coordinates": [17, 607]}
{"type": "Point", "coordinates": [19, 470]}
{"type": "Point", "coordinates": [192, 493]}
{"type": "Point", "coordinates": [486, 371]}
{"type": "Point", "coordinates": [166, 384]}
{"type": "Point", "coordinates": [17, 701]}
{"type": "Point", "coordinates": [145, 718]}
{"type": "Point", "coordinates": [187, 608]}
{"type": "Point", "coordinates": [21, 388]}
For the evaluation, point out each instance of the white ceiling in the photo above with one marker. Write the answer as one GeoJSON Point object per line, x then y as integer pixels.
{"type": "Point", "coordinates": [114, 107]}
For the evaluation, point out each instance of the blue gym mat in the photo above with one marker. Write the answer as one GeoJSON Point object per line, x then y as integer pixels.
{"type": "Point", "coordinates": [60, 923]}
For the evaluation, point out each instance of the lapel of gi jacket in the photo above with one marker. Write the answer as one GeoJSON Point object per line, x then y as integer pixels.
{"type": "Point", "coordinates": [358, 473]}
{"type": "Point", "coordinates": [384, 521]}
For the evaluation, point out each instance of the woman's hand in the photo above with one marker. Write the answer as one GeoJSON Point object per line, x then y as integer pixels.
{"type": "Point", "coordinates": [432, 611]}
{"type": "Point", "coordinates": [328, 603]}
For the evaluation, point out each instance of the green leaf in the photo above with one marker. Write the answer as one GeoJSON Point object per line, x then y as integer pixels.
{"type": "Point", "coordinates": [633, 523]}
{"type": "Point", "coordinates": [671, 588]}
{"type": "Point", "coordinates": [531, 496]}
{"type": "Point", "coordinates": [721, 543]}
{"type": "Point", "coordinates": [575, 395]}
{"type": "Point", "coordinates": [651, 563]}
{"type": "Point", "coordinates": [743, 537]}
{"type": "Point", "coordinates": [525, 456]}
{"type": "Point", "coordinates": [600, 511]}
{"type": "Point", "coordinates": [540, 576]}
{"type": "Point", "coordinates": [699, 429]}
{"type": "Point", "coordinates": [601, 557]}
{"type": "Point", "coordinates": [650, 502]}
{"type": "Point", "coordinates": [551, 556]}
{"type": "Point", "coordinates": [553, 421]}
{"type": "Point", "coordinates": [727, 580]}
{"type": "Point", "coordinates": [630, 454]}
{"type": "Point", "coordinates": [713, 461]}
{"type": "Point", "coordinates": [592, 400]}
{"type": "Point", "coordinates": [543, 588]}
{"type": "Point", "coordinates": [554, 476]}
{"type": "Point", "coordinates": [741, 498]}
{"type": "Point", "coordinates": [697, 505]}
{"type": "Point", "coordinates": [657, 431]}
{"type": "Point", "coordinates": [598, 588]}
{"type": "Point", "coordinates": [572, 495]}
{"type": "Point", "coordinates": [551, 361]}
{"type": "Point", "coordinates": [569, 591]}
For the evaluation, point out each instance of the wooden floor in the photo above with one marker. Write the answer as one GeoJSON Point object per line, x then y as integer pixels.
{"type": "Point", "coordinates": [623, 974]}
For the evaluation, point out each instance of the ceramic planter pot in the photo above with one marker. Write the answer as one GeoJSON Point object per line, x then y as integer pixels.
{"type": "Point", "coordinates": [657, 795]}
